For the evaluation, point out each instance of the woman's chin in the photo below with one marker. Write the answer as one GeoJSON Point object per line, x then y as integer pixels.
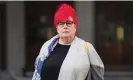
{"type": "Point", "coordinates": [66, 35]}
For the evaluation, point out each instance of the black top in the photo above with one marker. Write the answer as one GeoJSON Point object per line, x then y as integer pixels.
{"type": "Point", "coordinates": [51, 66]}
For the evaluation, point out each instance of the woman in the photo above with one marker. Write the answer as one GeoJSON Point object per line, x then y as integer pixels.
{"type": "Point", "coordinates": [65, 56]}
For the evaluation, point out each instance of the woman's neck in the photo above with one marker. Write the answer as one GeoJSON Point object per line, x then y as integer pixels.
{"type": "Point", "coordinates": [66, 41]}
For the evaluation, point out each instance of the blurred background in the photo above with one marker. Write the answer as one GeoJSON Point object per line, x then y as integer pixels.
{"type": "Point", "coordinates": [26, 25]}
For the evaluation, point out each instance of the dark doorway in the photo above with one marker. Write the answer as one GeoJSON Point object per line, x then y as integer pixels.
{"type": "Point", "coordinates": [3, 36]}
{"type": "Point", "coordinates": [39, 20]}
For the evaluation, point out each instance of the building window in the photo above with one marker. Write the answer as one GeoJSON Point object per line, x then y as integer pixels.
{"type": "Point", "coordinates": [114, 38]}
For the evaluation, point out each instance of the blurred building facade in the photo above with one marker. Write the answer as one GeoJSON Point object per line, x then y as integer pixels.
{"type": "Point", "coordinates": [24, 25]}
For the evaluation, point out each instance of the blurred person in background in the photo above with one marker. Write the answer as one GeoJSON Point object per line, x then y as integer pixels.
{"type": "Point", "coordinates": [65, 56]}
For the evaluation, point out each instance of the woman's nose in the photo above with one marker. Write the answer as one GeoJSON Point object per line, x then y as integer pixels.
{"type": "Point", "coordinates": [65, 26]}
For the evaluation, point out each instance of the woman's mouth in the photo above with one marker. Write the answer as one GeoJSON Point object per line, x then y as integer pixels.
{"type": "Point", "coordinates": [65, 32]}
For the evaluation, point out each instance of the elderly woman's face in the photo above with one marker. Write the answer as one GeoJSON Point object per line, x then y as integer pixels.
{"type": "Point", "coordinates": [66, 29]}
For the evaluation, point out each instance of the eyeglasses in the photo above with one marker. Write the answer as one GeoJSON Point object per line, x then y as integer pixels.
{"type": "Point", "coordinates": [69, 24]}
